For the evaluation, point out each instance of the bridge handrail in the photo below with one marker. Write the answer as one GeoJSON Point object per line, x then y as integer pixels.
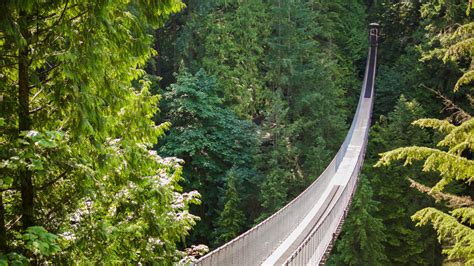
{"type": "Point", "coordinates": [305, 252]}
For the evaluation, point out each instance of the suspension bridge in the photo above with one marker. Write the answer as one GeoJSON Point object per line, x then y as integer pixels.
{"type": "Point", "coordinates": [303, 232]}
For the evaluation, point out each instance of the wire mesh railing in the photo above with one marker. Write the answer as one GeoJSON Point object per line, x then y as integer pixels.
{"type": "Point", "coordinates": [312, 250]}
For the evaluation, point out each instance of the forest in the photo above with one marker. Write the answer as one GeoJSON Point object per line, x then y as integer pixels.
{"type": "Point", "coordinates": [154, 131]}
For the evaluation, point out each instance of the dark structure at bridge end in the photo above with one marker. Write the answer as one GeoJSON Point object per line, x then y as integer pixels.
{"type": "Point", "coordinates": [374, 29]}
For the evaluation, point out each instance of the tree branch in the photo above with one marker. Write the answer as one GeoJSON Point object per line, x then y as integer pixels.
{"type": "Point", "coordinates": [55, 23]}
{"type": "Point", "coordinates": [458, 114]}
{"type": "Point", "coordinates": [39, 108]}
{"type": "Point", "coordinates": [51, 68]}
{"type": "Point", "coordinates": [51, 182]}
{"type": "Point", "coordinates": [51, 32]}
{"type": "Point", "coordinates": [11, 223]}
{"type": "Point", "coordinates": [9, 189]}
{"type": "Point", "coordinates": [453, 200]}
{"type": "Point", "coordinates": [42, 82]}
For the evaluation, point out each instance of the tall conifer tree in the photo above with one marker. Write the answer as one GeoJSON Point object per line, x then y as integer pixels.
{"type": "Point", "coordinates": [361, 241]}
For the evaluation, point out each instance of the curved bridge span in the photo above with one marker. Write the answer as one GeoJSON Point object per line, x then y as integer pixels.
{"type": "Point", "coordinates": [302, 232]}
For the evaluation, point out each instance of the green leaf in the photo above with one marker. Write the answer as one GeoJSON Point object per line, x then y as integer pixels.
{"type": "Point", "coordinates": [46, 143]}
{"type": "Point", "coordinates": [36, 164]}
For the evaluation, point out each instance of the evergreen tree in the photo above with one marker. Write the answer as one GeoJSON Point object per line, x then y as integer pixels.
{"type": "Point", "coordinates": [454, 165]}
{"type": "Point", "coordinates": [211, 140]}
{"type": "Point", "coordinates": [404, 244]}
{"type": "Point", "coordinates": [228, 39]}
{"type": "Point", "coordinates": [302, 126]}
{"type": "Point", "coordinates": [231, 220]}
{"type": "Point", "coordinates": [284, 64]}
{"type": "Point", "coordinates": [272, 160]}
{"type": "Point", "coordinates": [454, 227]}
{"type": "Point", "coordinates": [447, 50]}
{"type": "Point", "coordinates": [362, 236]}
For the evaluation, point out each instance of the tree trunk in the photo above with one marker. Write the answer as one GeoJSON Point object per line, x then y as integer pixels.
{"type": "Point", "coordinates": [3, 233]}
{"type": "Point", "coordinates": [26, 184]}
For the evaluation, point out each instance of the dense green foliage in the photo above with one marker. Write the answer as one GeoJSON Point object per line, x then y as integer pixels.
{"type": "Point", "coordinates": [452, 160]}
{"type": "Point", "coordinates": [279, 64]}
{"type": "Point", "coordinates": [228, 39]}
{"type": "Point", "coordinates": [426, 51]}
{"type": "Point", "coordinates": [214, 144]}
{"type": "Point", "coordinates": [454, 228]}
{"type": "Point", "coordinates": [255, 98]}
{"type": "Point", "coordinates": [79, 182]}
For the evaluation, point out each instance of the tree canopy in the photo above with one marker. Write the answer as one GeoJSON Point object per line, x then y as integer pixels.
{"type": "Point", "coordinates": [254, 100]}
{"type": "Point", "coordinates": [79, 179]}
